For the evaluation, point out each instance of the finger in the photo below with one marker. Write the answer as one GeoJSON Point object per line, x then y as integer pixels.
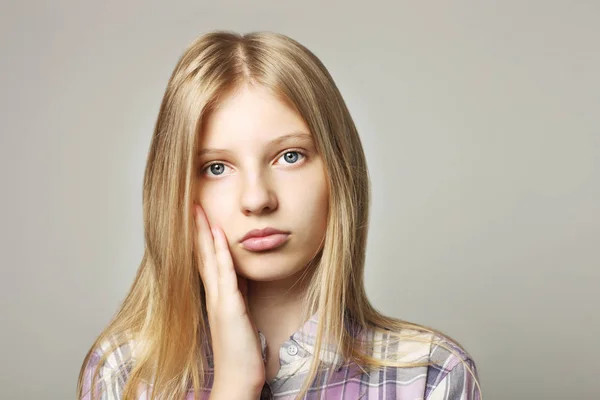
{"type": "Point", "coordinates": [207, 264]}
{"type": "Point", "coordinates": [227, 276]}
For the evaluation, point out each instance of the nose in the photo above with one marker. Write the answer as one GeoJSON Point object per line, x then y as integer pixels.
{"type": "Point", "coordinates": [258, 196]}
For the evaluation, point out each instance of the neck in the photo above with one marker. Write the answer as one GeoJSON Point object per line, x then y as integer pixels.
{"type": "Point", "coordinates": [277, 307]}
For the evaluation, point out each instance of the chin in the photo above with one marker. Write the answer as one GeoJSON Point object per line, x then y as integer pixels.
{"type": "Point", "coordinates": [266, 267]}
{"type": "Point", "coordinates": [263, 276]}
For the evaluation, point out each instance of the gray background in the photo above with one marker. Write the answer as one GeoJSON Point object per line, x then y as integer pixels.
{"type": "Point", "coordinates": [481, 125]}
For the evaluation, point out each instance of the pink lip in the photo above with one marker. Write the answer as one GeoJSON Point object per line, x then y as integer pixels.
{"type": "Point", "coordinates": [264, 239]}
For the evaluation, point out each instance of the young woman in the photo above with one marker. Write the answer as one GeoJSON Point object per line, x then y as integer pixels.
{"type": "Point", "coordinates": [256, 198]}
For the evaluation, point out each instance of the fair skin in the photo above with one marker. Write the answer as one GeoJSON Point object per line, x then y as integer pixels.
{"type": "Point", "coordinates": [257, 167]}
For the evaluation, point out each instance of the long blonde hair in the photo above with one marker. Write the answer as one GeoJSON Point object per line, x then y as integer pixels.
{"type": "Point", "coordinates": [164, 312]}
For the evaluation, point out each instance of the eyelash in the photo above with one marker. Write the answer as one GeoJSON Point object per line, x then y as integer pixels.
{"type": "Point", "coordinates": [205, 168]}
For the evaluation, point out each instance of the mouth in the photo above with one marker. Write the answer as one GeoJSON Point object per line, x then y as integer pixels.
{"type": "Point", "coordinates": [264, 239]}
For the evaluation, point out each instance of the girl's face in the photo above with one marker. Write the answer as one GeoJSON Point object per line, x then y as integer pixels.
{"type": "Point", "coordinates": [257, 167]}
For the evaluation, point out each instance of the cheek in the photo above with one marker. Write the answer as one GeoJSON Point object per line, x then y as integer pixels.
{"type": "Point", "coordinates": [310, 205]}
{"type": "Point", "coordinates": [217, 207]}
{"type": "Point", "coordinates": [322, 203]}
{"type": "Point", "coordinates": [319, 195]}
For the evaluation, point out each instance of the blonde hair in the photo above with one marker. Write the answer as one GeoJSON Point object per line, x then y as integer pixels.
{"type": "Point", "coordinates": [164, 311]}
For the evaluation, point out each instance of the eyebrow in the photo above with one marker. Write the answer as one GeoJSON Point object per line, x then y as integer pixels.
{"type": "Point", "coordinates": [300, 135]}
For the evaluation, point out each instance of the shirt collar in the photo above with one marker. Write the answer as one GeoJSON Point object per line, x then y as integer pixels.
{"type": "Point", "coordinates": [306, 338]}
{"type": "Point", "coordinates": [307, 334]}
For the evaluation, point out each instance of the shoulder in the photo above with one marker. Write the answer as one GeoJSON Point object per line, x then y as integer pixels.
{"type": "Point", "coordinates": [107, 369]}
{"type": "Point", "coordinates": [452, 373]}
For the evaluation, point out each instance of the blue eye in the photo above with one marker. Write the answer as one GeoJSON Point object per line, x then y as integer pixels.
{"type": "Point", "coordinates": [292, 156]}
{"type": "Point", "coordinates": [216, 168]}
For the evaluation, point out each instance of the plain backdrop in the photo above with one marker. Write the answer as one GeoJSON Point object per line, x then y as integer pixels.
{"type": "Point", "coordinates": [480, 121]}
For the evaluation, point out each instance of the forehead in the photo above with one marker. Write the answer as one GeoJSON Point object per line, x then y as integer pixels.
{"type": "Point", "coordinates": [249, 115]}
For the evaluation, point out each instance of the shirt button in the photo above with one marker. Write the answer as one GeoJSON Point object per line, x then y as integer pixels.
{"type": "Point", "coordinates": [292, 350]}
